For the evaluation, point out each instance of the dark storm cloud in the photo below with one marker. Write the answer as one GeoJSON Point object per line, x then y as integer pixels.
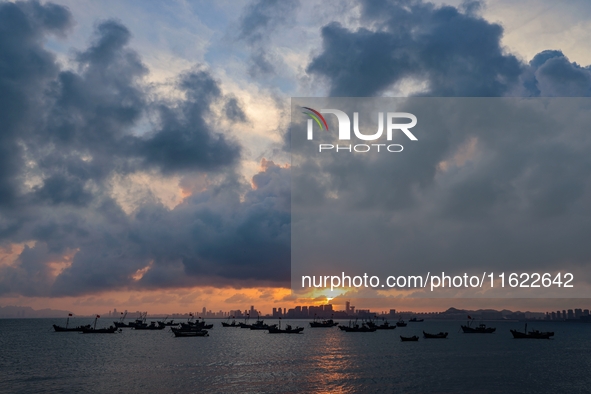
{"type": "Point", "coordinates": [66, 134]}
{"type": "Point", "coordinates": [257, 24]}
{"type": "Point", "coordinates": [553, 75]}
{"type": "Point", "coordinates": [184, 141]}
{"type": "Point", "coordinates": [455, 53]}
{"type": "Point", "coordinates": [24, 67]}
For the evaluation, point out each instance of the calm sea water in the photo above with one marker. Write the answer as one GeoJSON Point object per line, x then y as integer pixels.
{"type": "Point", "coordinates": [34, 359]}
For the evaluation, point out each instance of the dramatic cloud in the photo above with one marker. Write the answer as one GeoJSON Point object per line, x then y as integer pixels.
{"type": "Point", "coordinates": [455, 54]}
{"type": "Point", "coordinates": [439, 51]}
{"type": "Point", "coordinates": [70, 135]}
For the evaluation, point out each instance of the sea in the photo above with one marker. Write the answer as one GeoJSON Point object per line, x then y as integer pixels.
{"type": "Point", "coordinates": [35, 359]}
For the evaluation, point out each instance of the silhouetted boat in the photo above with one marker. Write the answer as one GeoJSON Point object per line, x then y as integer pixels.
{"type": "Point", "coordinates": [415, 320]}
{"type": "Point", "coordinates": [197, 325]}
{"type": "Point", "coordinates": [288, 330]}
{"type": "Point", "coordinates": [441, 335]}
{"type": "Point", "coordinates": [260, 325]}
{"type": "Point", "coordinates": [480, 329]}
{"type": "Point", "coordinates": [151, 326]}
{"type": "Point", "coordinates": [189, 333]}
{"type": "Point", "coordinates": [400, 323]}
{"type": "Point", "coordinates": [139, 321]}
{"type": "Point", "coordinates": [414, 338]}
{"type": "Point", "coordinates": [233, 324]}
{"type": "Point", "coordinates": [109, 330]}
{"type": "Point", "coordinates": [94, 330]}
{"type": "Point", "coordinates": [384, 326]}
{"type": "Point", "coordinates": [357, 328]}
{"type": "Point", "coordinates": [168, 323]}
{"type": "Point", "coordinates": [534, 334]}
{"type": "Point", "coordinates": [121, 323]}
{"type": "Point", "coordinates": [245, 324]}
{"type": "Point", "coordinates": [69, 329]}
{"type": "Point", "coordinates": [323, 323]}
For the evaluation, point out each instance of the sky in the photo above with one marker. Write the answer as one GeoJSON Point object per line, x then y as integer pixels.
{"type": "Point", "coordinates": [144, 146]}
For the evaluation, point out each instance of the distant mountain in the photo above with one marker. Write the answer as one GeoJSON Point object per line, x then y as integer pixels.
{"type": "Point", "coordinates": [11, 312]}
{"type": "Point", "coordinates": [491, 314]}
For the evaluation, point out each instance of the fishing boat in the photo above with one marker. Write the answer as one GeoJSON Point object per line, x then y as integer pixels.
{"type": "Point", "coordinates": [107, 330]}
{"type": "Point", "coordinates": [245, 324]}
{"type": "Point", "coordinates": [357, 328]}
{"type": "Point", "coordinates": [69, 329]}
{"type": "Point", "coordinates": [534, 334]}
{"type": "Point", "coordinates": [141, 319]}
{"type": "Point", "coordinates": [384, 326]}
{"type": "Point", "coordinates": [323, 323]}
{"type": "Point", "coordinates": [199, 324]}
{"type": "Point", "coordinates": [414, 338]}
{"type": "Point", "coordinates": [167, 323]}
{"type": "Point", "coordinates": [480, 329]}
{"type": "Point", "coordinates": [228, 324]}
{"type": "Point", "coordinates": [415, 320]}
{"type": "Point", "coordinates": [151, 326]}
{"type": "Point", "coordinates": [441, 335]}
{"type": "Point", "coordinates": [94, 330]}
{"type": "Point", "coordinates": [261, 325]}
{"type": "Point", "coordinates": [401, 323]}
{"type": "Point", "coordinates": [121, 323]}
{"type": "Point", "coordinates": [288, 329]}
{"type": "Point", "coordinates": [189, 333]}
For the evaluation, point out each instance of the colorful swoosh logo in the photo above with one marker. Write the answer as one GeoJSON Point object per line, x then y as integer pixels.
{"type": "Point", "coordinates": [317, 117]}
